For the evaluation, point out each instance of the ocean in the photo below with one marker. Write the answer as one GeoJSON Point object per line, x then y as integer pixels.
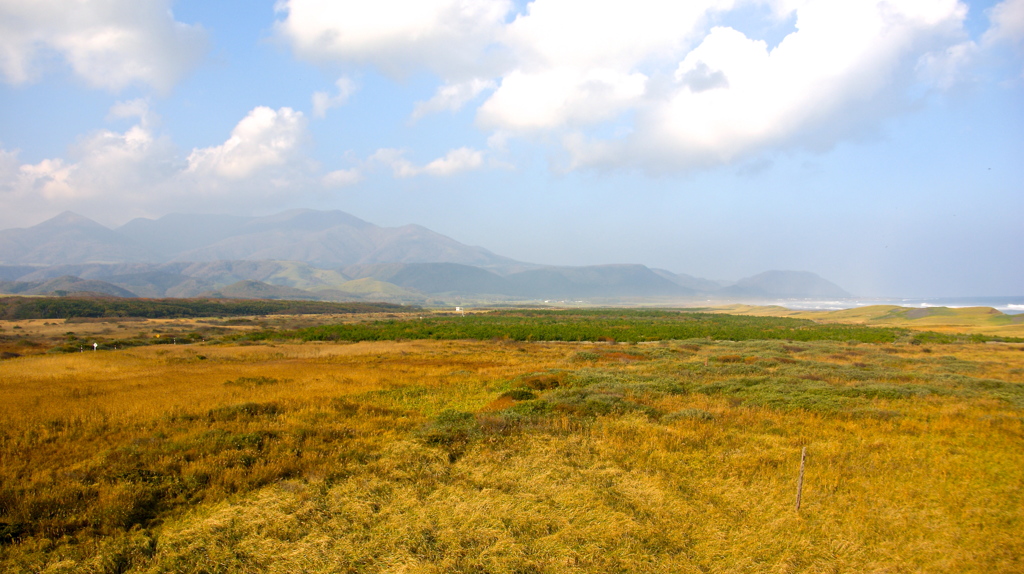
{"type": "Point", "coordinates": [1008, 305]}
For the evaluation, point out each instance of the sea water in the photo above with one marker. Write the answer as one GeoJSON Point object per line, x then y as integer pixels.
{"type": "Point", "coordinates": [1008, 305]}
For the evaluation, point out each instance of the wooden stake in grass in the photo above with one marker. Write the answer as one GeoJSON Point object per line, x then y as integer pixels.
{"type": "Point", "coordinates": [800, 481]}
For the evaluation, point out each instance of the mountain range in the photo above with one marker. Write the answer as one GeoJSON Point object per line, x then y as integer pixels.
{"type": "Point", "coordinates": [330, 255]}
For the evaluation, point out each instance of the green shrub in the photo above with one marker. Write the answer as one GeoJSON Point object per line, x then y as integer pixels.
{"type": "Point", "coordinates": [450, 428]}
{"type": "Point", "coordinates": [252, 381]}
{"type": "Point", "coordinates": [244, 411]}
{"type": "Point", "coordinates": [534, 408]}
{"type": "Point", "coordinates": [595, 400]}
{"type": "Point", "coordinates": [543, 381]}
{"type": "Point", "coordinates": [689, 414]}
{"type": "Point", "coordinates": [519, 395]}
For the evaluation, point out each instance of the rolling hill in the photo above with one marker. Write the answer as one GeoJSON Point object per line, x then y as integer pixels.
{"type": "Point", "coordinates": [331, 255]}
{"type": "Point", "coordinates": [324, 239]}
{"type": "Point", "coordinates": [784, 284]}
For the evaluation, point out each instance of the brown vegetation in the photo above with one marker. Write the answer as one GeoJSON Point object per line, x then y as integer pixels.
{"type": "Point", "coordinates": [462, 456]}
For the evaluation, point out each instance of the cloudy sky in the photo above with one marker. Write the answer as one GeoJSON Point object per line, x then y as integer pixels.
{"type": "Point", "coordinates": [879, 143]}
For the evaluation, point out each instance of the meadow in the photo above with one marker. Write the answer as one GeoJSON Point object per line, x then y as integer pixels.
{"type": "Point", "coordinates": [294, 445]}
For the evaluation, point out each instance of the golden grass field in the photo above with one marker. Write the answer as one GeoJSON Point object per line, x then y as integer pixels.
{"type": "Point", "coordinates": [503, 457]}
{"type": "Point", "coordinates": [982, 320]}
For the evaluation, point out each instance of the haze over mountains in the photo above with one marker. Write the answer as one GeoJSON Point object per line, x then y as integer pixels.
{"type": "Point", "coordinates": [329, 255]}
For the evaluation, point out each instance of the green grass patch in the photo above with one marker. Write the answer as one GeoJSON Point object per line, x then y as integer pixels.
{"type": "Point", "coordinates": [621, 325]}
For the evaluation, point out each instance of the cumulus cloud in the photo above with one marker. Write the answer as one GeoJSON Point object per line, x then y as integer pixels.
{"type": "Point", "coordinates": [101, 163]}
{"type": "Point", "coordinates": [730, 96]}
{"type": "Point", "coordinates": [120, 173]}
{"type": "Point", "coordinates": [265, 138]}
{"type": "Point", "coordinates": [342, 178]}
{"type": "Point", "coordinates": [674, 90]}
{"type": "Point", "coordinates": [398, 36]}
{"type": "Point", "coordinates": [451, 97]}
{"type": "Point", "coordinates": [323, 101]}
{"type": "Point", "coordinates": [560, 96]}
{"type": "Point", "coordinates": [1007, 19]}
{"type": "Point", "coordinates": [106, 172]}
{"type": "Point", "coordinates": [394, 159]}
{"type": "Point", "coordinates": [133, 109]}
{"type": "Point", "coordinates": [455, 161]}
{"type": "Point", "coordinates": [127, 160]}
{"type": "Point", "coordinates": [110, 44]}
{"type": "Point", "coordinates": [946, 68]}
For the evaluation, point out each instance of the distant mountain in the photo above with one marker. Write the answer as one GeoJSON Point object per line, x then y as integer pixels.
{"type": "Point", "coordinates": [66, 285]}
{"type": "Point", "coordinates": [67, 238]}
{"type": "Point", "coordinates": [330, 255]}
{"type": "Point", "coordinates": [784, 285]}
{"type": "Point", "coordinates": [370, 289]}
{"type": "Point", "coordinates": [603, 281]}
{"type": "Point", "coordinates": [172, 234]}
{"type": "Point", "coordinates": [326, 239]}
{"type": "Point", "coordinates": [691, 282]}
{"type": "Point", "coordinates": [258, 290]}
{"type": "Point", "coordinates": [13, 272]}
{"type": "Point", "coordinates": [435, 277]}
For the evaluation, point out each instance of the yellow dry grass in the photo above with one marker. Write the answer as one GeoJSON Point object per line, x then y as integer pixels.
{"type": "Point", "coordinates": [980, 320]}
{"type": "Point", "coordinates": [141, 461]}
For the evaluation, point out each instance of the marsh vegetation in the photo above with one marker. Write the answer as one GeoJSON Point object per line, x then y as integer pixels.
{"type": "Point", "coordinates": [504, 454]}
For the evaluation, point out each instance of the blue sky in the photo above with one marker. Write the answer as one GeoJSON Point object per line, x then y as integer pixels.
{"type": "Point", "coordinates": [877, 143]}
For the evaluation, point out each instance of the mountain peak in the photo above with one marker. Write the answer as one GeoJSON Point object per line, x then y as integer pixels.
{"type": "Point", "coordinates": [786, 284]}
{"type": "Point", "coordinates": [69, 219]}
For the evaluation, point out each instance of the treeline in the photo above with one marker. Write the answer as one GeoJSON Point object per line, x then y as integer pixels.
{"type": "Point", "coordinates": [599, 325]}
{"type": "Point", "coordinates": [13, 308]}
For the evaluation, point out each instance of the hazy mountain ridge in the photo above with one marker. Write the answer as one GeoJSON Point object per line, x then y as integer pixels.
{"type": "Point", "coordinates": [331, 255]}
{"type": "Point", "coordinates": [249, 289]}
{"type": "Point", "coordinates": [327, 239]}
{"type": "Point", "coordinates": [773, 284]}
{"type": "Point", "coordinates": [67, 238]}
{"type": "Point", "coordinates": [65, 285]}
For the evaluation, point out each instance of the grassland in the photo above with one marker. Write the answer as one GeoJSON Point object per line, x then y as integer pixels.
{"type": "Point", "coordinates": [17, 307]}
{"type": "Point", "coordinates": [502, 455]}
{"type": "Point", "coordinates": [628, 325]}
{"type": "Point", "coordinates": [977, 320]}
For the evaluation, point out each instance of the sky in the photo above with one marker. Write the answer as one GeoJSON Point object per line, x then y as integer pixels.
{"type": "Point", "coordinates": [878, 143]}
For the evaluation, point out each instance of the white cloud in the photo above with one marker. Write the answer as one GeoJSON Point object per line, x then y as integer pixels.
{"type": "Point", "coordinates": [103, 163]}
{"type": "Point", "coordinates": [128, 161]}
{"type": "Point", "coordinates": [113, 174]}
{"type": "Point", "coordinates": [614, 35]}
{"type": "Point", "coordinates": [655, 84]}
{"type": "Point", "coordinates": [110, 44]}
{"type": "Point", "coordinates": [323, 101]}
{"type": "Point", "coordinates": [132, 109]}
{"type": "Point", "coordinates": [843, 70]}
{"type": "Point", "coordinates": [398, 36]}
{"type": "Point", "coordinates": [1007, 19]}
{"type": "Point", "coordinates": [455, 161]}
{"type": "Point", "coordinates": [948, 67]}
{"type": "Point", "coordinates": [50, 178]}
{"type": "Point", "coordinates": [342, 178]}
{"type": "Point", "coordinates": [451, 97]}
{"type": "Point", "coordinates": [107, 173]}
{"type": "Point", "coordinates": [560, 96]}
{"type": "Point", "coordinates": [264, 139]}
{"type": "Point", "coordinates": [394, 159]}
